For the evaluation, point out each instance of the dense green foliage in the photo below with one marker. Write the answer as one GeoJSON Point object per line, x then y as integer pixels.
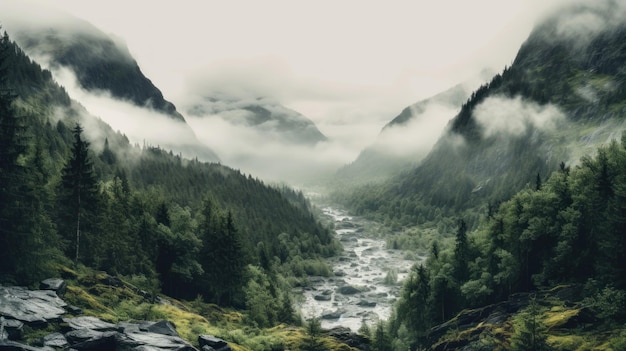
{"type": "Point", "coordinates": [72, 189]}
{"type": "Point", "coordinates": [568, 231]}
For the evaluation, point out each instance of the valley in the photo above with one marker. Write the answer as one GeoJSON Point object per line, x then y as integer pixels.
{"type": "Point", "coordinates": [488, 216]}
{"type": "Point", "coordinates": [366, 278]}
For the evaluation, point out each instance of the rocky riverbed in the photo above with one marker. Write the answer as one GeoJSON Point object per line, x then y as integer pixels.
{"type": "Point", "coordinates": [357, 292]}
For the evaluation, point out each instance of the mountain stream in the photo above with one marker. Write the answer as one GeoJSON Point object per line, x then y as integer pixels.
{"type": "Point", "coordinates": [357, 292]}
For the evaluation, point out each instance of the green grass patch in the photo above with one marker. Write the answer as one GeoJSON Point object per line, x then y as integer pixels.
{"type": "Point", "coordinates": [568, 342]}
{"type": "Point", "coordinates": [558, 316]}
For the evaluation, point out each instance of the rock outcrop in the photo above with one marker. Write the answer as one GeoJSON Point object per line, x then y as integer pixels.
{"type": "Point", "coordinates": [211, 343]}
{"type": "Point", "coordinates": [348, 337]}
{"type": "Point", "coordinates": [20, 306]}
{"type": "Point", "coordinates": [30, 306]}
{"type": "Point", "coordinates": [58, 285]}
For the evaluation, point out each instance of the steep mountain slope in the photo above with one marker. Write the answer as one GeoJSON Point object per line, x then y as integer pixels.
{"type": "Point", "coordinates": [102, 67]}
{"type": "Point", "coordinates": [147, 180]}
{"type": "Point", "coordinates": [406, 139]}
{"type": "Point", "coordinates": [563, 95]}
{"type": "Point", "coordinates": [266, 116]}
{"type": "Point", "coordinates": [100, 62]}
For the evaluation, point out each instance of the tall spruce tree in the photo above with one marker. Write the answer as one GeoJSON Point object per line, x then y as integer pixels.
{"type": "Point", "coordinates": [79, 190]}
{"type": "Point", "coordinates": [529, 331]}
{"type": "Point", "coordinates": [222, 254]}
{"type": "Point", "coordinates": [12, 172]}
{"type": "Point", "coordinates": [461, 253]}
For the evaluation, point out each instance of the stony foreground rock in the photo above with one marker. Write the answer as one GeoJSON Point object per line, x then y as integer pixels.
{"type": "Point", "coordinates": [30, 306]}
{"type": "Point", "coordinates": [20, 306]}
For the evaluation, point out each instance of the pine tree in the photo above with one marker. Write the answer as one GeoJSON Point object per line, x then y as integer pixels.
{"type": "Point", "coordinates": [79, 188]}
{"type": "Point", "coordinates": [39, 241]}
{"type": "Point", "coordinates": [233, 262]}
{"type": "Point", "coordinates": [107, 156]}
{"type": "Point", "coordinates": [461, 253]}
{"type": "Point", "coordinates": [538, 182]}
{"type": "Point", "coordinates": [12, 172]}
{"type": "Point", "coordinates": [529, 331]}
{"type": "Point", "coordinates": [381, 338]}
{"type": "Point", "coordinates": [313, 340]}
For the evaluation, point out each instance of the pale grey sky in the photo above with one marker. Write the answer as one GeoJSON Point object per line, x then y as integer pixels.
{"type": "Point", "coordinates": [349, 65]}
{"type": "Point", "coordinates": [335, 61]}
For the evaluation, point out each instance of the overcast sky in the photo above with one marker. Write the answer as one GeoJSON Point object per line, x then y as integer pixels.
{"type": "Point", "coordinates": [349, 65]}
{"type": "Point", "coordinates": [338, 62]}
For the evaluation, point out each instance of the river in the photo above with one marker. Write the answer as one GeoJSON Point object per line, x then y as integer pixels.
{"type": "Point", "coordinates": [357, 292]}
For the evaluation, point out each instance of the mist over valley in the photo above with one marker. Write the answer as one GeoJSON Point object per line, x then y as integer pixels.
{"type": "Point", "coordinates": [313, 176]}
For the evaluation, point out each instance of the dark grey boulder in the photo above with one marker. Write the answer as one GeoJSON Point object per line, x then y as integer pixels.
{"type": "Point", "coordinates": [151, 341]}
{"type": "Point", "coordinates": [80, 335]}
{"type": "Point", "coordinates": [350, 338]}
{"type": "Point", "coordinates": [88, 322]}
{"type": "Point", "coordinates": [12, 329]}
{"type": "Point", "coordinates": [74, 310]}
{"type": "Point", "coordinates": [365, 303]}
{"type": "Point", "coordinates": [212, 343]}
{"type": "Point", "coordinates": [333, 314]}
{"type": "Point", "coordinates": [8, 345]}
{"type": "Point", "coordinates": [31, 307]}
{"type": "Point", "coordinates": [55, 340]}
{"type": "Point", "coordinates": [348, 290]}
{"type": "Point", "coordinates": [127, 327]}
{"type": "Point", "coordinates": [91, 340]}
{"type": "Point", "coordinates": [322, 297]}
{"type": "Point", "coordinates": [161, 327]}
{"type": "Point", "coordinates": [58, 285]}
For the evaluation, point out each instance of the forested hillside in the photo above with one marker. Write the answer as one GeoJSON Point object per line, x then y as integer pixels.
{"type": "Point", "coordinates": [100, 62]}
{"type": "Point", "coordinates": [101, 66]}
{"type": "Point", "coordinates": [76, 193]}
{"type": "Point", "coordinates": [566, 232]}
{"type": "Point", "coordinates": [532, 172]}
{"type": "Point", "coordinates": [560, 98]}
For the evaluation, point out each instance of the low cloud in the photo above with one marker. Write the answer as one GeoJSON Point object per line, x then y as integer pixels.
{"type": "Point", "coordinates": [514, 116]}
{"type": "Point", "coordinates": [141, 125]}
{"type": "Point", "coordinates": [579, 21]}
{"type": "Point", "coordinates": [256, 152]}
{"type": "Point", "coordinates": [418, 136]}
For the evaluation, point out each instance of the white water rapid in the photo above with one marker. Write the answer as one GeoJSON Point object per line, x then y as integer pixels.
{"type": "Point", "coordinates": [357, 292]}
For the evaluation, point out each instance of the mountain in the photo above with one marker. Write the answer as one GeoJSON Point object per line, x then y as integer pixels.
{"type": "Point", "coordinates": [563, 95]}
{"type": "Point", "coordinates": [406, 139]}
{"type": "Point", "coordinates": [100, 62]}
{"type": "Point", "coordinates": [102, 66]}
{"type": "Point", "coordinates": [265, 116]}
{"type": "Point", "coordinates": [73, 189]}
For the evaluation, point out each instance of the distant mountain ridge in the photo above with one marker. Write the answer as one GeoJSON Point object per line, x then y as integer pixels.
{"type": "Point", "coordinates": [560, 99]}
{"type": "Point", "coordinates": [100, 62]}
{"type": "Point", "coordinates": [453, 96]}
{"type": "Point", "coordinates": [264, 115]}
{"type": "Point", "coordinates": [102, 65]}
{"type": "Point", "coordinates": [377, 162]}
